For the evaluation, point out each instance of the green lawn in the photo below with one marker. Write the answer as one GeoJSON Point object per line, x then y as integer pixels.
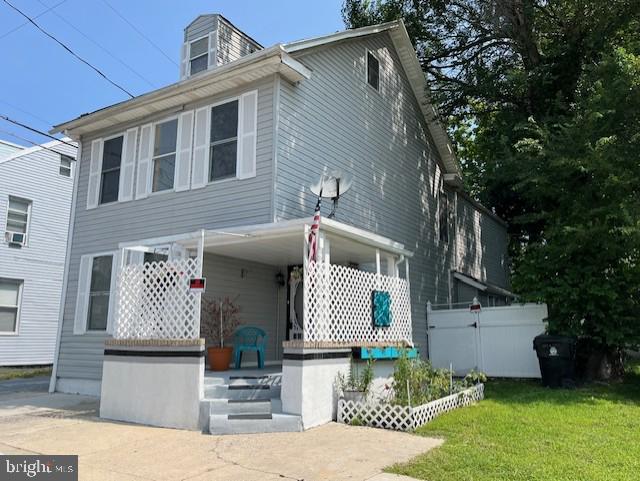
{"type": "Point", "coordinates": [21, 372]}
{"type": "Point", "coordinates": [522, 431]}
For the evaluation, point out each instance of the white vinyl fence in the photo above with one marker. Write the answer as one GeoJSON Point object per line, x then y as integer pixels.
{"type": "Point", "coordinates": [496, 340]}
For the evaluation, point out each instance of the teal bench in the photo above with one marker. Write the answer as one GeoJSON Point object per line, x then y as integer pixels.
{"type": "Point", "coordinates": [252, 339]}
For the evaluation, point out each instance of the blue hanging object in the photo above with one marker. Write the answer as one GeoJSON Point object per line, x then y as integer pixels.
{"type": "Point", "coordinates": [381, 308]}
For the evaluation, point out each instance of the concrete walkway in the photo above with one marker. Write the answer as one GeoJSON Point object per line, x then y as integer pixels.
{"type": "Point", "coordinates": [36, 422]}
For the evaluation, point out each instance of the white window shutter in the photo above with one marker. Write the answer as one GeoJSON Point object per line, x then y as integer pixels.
{"type": "Point", "coordinates": [82, 300]}
{"type": "Point", "coordinates": [201, 135]}
{"type": "Point", "coordinates": [247, 135]}
{"type": "Point", "coordinates": [144, 161]}
{"type": "Point", "coordinates": [113, 292]}
{"type": "Point", "coordinates": [128, 164]}
{"type": "Point", "coordinates": [213, 42]}
{"type": "Point", "coordinates": [184, 61]}
{"type": "Point", "coordinates": [95, 168]}
{"type": "Point", "coordinates": [183, 151]}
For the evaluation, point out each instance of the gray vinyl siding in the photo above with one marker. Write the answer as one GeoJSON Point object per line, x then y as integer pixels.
{"type": "Point", "coordinates": [262, 302]}
{"type": "Point", "coordinates": [40, 264]}
{"type": "Point", "coordinates": [482, 244]}
{"type": "Point", "coordinates": [336, 119]}
{"type": "Point", "coordinates": [222, 204]}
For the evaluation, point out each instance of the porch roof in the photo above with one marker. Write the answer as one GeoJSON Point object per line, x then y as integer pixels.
{"type": "Point", "coordinates": [282, 242]}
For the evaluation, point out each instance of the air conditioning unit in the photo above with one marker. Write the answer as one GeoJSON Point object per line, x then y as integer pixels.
{"type": "Point", "coordinates": [15, 238]}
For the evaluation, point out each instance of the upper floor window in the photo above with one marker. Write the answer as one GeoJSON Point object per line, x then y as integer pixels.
{"type": "Point", "coordinates": [373, 71]}
{"type": "Point", "coordinates": [9, 305]}
{"type": "Point", "coordinates": [223, 141]}
{"type": "Point", "coordinates": [164, 155]}
{"type": "Point", "coordinates": [99, 293]}
{"type": "Point", "coordinates": [443, 221]}
{"type": "Point", "coordinates": [199, 55]}
{"type": "Point", "coordinates": [65, 165]}
{"type": "Point", "coordinates": [18, 219]}
{"type": "Point", "coordinates": [110, 175]}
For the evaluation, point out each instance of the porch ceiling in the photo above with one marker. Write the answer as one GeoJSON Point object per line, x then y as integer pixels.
{"type": "Point", "coordinates": [282, 243]}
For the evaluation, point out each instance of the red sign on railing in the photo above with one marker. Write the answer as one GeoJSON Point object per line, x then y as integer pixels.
{"type": "Point", "coordinates": [197, 284]}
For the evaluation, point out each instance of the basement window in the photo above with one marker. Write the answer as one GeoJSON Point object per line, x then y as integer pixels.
{"type": "Point", "coordinates": [373, 71]}
{"type": "Point", "coordinates": [199, 55]}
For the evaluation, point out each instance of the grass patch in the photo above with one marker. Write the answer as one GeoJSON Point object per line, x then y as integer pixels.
{"type": "Point", "coordinates": [7, 373]}
{"type": "Point", "coordinates": [522, 431]}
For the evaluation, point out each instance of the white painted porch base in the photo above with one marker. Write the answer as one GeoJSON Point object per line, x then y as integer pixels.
{"type": "Point", "coordinates": [309, 382]}
{"type": "Point", "coordinates": [153, 390]}
{"type": "Point", "coordinates": [68, 385]}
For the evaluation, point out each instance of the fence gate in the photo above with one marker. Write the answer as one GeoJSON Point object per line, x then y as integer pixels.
{"type": "Point", "coordinates": [496, 340]}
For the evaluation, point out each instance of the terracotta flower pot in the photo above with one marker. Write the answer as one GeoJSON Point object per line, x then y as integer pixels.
{"type": "Point", "coordinates": [219, 358]}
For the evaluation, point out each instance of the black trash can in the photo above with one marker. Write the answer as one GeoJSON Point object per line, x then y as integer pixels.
{"type": "Point", "coordinates": [556, 355]}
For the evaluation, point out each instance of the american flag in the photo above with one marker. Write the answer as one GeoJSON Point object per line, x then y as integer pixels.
{"type": "Point", "coordinates": [313, 233]}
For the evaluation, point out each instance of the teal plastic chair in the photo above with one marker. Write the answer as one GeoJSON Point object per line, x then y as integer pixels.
{"type": "Point", "coordinates": [249, 339]}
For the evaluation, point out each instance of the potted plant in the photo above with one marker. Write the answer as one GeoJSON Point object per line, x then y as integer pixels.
{"type": "Point", "coordinates": [218, 323]}
{"type": "Point", "coordinates": [354, 385]}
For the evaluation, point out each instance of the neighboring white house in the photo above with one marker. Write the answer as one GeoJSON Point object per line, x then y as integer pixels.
{"type": "Point", "coordinates": [7, 148]}
{"type": "Point", "coordinates": [210, 177]}
{"type": "Point", "coordinates": [35, 200]}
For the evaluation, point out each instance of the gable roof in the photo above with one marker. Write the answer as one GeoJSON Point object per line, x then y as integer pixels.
{"type": "Point", "coordinates": [413, 69]}
{"type": "Point", "coordinates": [228, 76]}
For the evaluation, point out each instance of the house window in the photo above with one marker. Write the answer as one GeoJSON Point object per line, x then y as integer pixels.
{"type": "Point", "coordinates": [110, 179]}
{"type": "Point", "coordinates": [18, 219]}
{"type": "Point", "coordinates": [224, 141]}
{"type": "Point", "coordinates": [373, 71]}
{"type": "Point", "coordinates": [10, 290]}
{"type": "Point", "coordinates": [199, 55]}
{"type": "Point", "coordinates": [164, 155]}
{"type": "Point", "coordinates": [65, 165]}
{"type": "Point", "coordinates": [443, 221]}
{"type": "Point", "coordinates": [99, 293]}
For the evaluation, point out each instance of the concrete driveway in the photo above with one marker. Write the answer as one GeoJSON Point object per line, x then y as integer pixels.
{"type": "Point", "coordinates": [32, 421]}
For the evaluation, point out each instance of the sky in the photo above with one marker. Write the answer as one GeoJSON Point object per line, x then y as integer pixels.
{"type": "Point", "coordinates": [42, 84]}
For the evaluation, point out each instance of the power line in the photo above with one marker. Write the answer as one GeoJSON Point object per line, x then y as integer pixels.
{"type": "Point", "coordinates": [140, 33]}
{"type": "Point", "coordinates": [68, 49]}
{"type": "Point", "coordinates": [32, 129]}
{"type": "Point", "coordinates": [104, 49]}
{"type": "Point", "coordinates": [9, 32]}
{"type": "Point", "coordinates": [30, 114]}
{"type": "Point", "coordinates": [6, 132]}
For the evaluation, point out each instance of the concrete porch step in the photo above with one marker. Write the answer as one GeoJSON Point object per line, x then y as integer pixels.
{"type": "Point", "coordinates": [248, 424]}
{"type": "Point", "coordinates": [244, 392]}
{"type": "Point", "coordinates": [266, 380]}
{"type": "Point", "coordinates": [241, 406]}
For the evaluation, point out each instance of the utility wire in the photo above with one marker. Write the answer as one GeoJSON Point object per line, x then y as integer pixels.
{"type": "Point", "coordinates": [104, 49]}
{"type": "Point", "coordinates": [68, 49]}
{"type": "Point", "coordinates": [9, 32]}
{"type": "Point", "coordinates": [32, 129]}
{"type": "Point", "coordinates": [140, 33]}
{"type": "Point", "coordinates": [6, 132]}
{"type": "Point", "coordinates": [30, 114]}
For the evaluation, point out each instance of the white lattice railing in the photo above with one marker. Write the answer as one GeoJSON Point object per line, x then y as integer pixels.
{"type": "Point", "coordinates": [155, 302]}
{"type": "Point", "coordinates": [404, 418]}
{"type": "Point", "coordinates": [338, 306]}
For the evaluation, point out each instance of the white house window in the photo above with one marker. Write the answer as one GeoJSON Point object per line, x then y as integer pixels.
{"type": "Point", "coordinates": [99, 293]}
{"type": "Point", "coordinates": [443, 221]}
{"type": "Point", "coordinates": [373, 71]}
{"type": "Point", "coordinates": [198, 55]}
{"type": "Point", "coordinates": [18, 218]}
{"type": "Point", "coordinates": [164, 155]}
{"type": "Point", "coordinates": [110, 176]}
{"type": "Point", "coordinates": [9, 305]}
{"type": "Point", "coordinates": [224, 141]}
{"type": "Point", "coordinates": [65, 165]}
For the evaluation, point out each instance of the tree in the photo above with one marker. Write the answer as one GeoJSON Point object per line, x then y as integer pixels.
{"type": "Point", "coordinates": [542, 100]}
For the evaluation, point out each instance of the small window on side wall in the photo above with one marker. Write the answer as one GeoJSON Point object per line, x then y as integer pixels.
{"type": "Point", "coordinates": [9, 305]}
{"type": "Point", "coordinates": [373, 71]}
{"type": "Point", "coordinates": [199, 55]}
{"type": "Point", "coordinates": [65, 165]}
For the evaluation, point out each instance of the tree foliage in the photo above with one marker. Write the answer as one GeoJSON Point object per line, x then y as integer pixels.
{"type": "Point", "coordinates": [543, 100]}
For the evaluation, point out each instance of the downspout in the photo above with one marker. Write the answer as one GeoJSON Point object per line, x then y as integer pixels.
{"type": "Point", "coordinates": [65, 275]}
